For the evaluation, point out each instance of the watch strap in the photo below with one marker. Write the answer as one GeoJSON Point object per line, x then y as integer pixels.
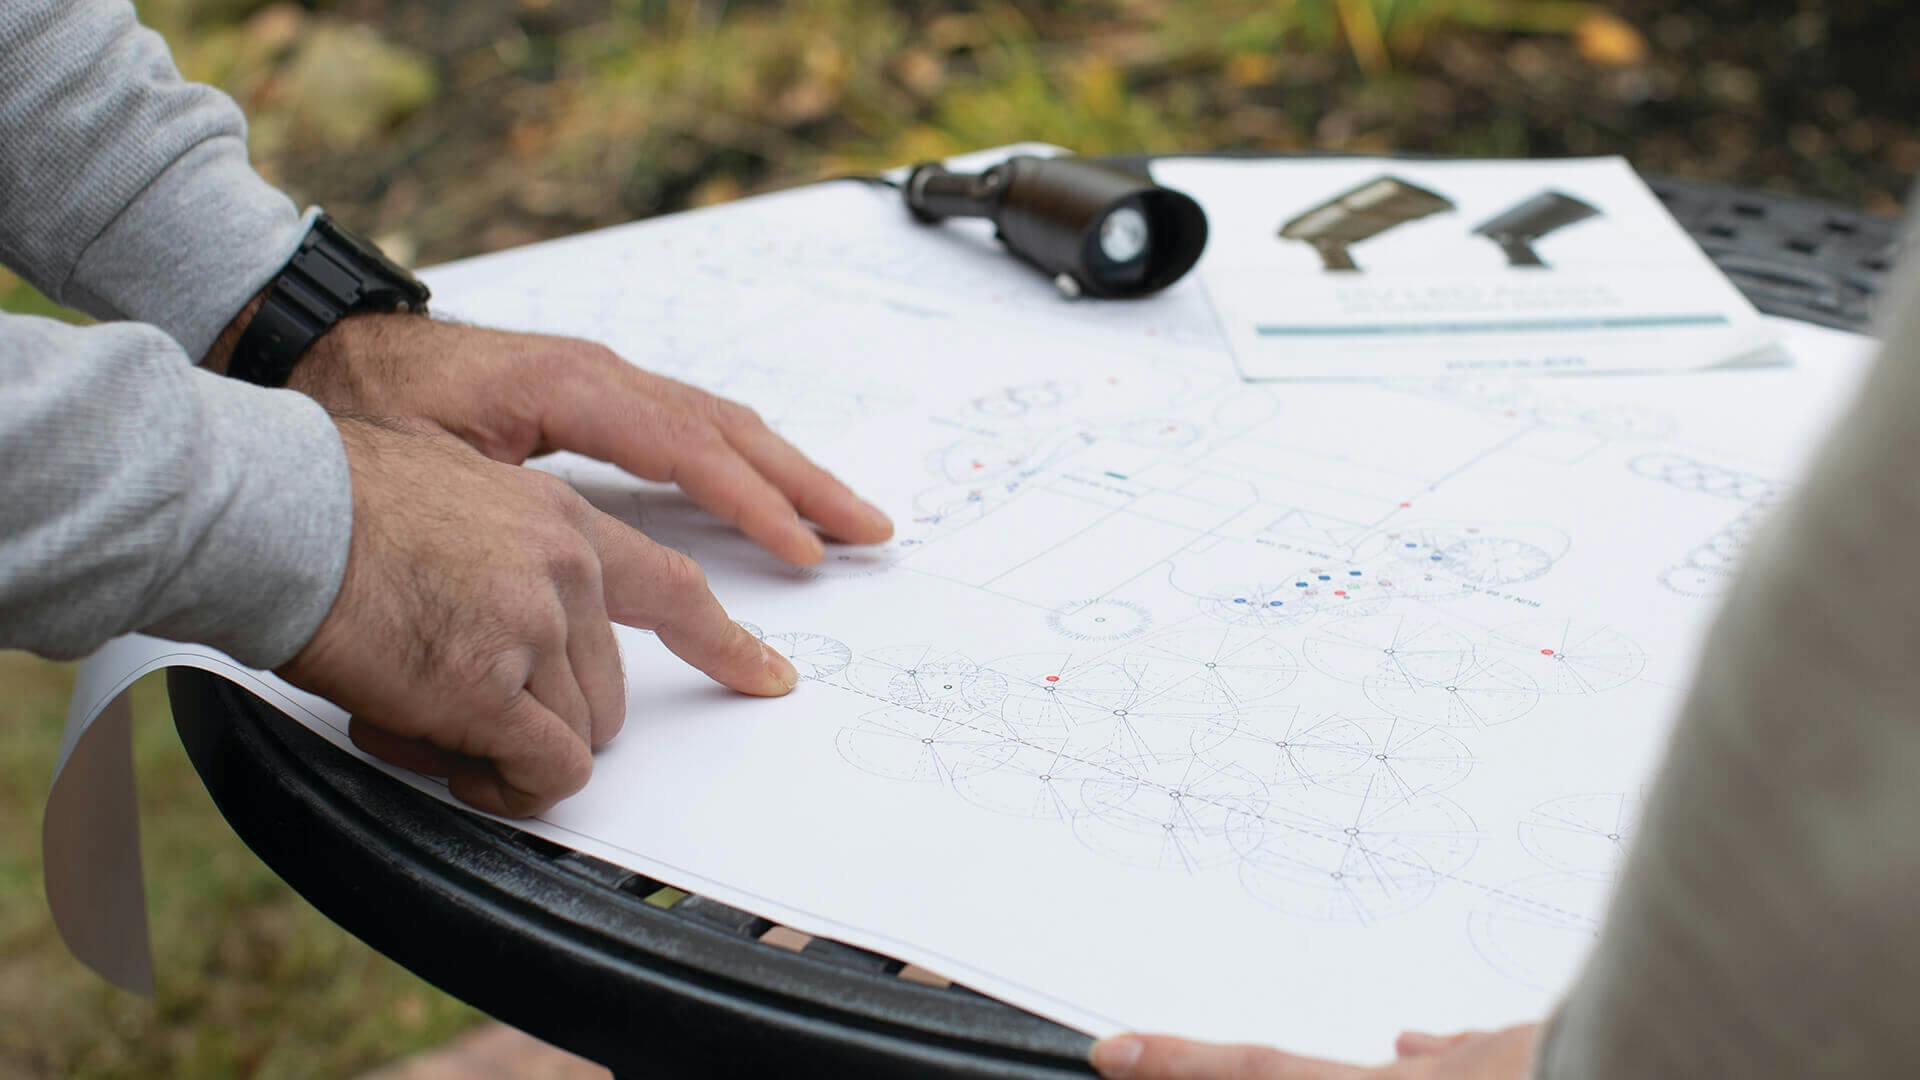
{"type": "Point", "coordinates": [333, 274]}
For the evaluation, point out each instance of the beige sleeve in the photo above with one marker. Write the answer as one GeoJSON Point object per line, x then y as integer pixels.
{"type": "Point", "coordinates": [1768, 921]}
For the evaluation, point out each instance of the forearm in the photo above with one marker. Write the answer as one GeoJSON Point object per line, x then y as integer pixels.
{"type": "Point", "coordinates": [1765, 926]}
{"type": "Point", "coordinates": [125, 190]}
{"type": "Point", "coordinates": [144, 494]}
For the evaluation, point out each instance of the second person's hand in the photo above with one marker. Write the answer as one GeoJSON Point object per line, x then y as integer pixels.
{"type": "Point", "coordinates": [472, 637]}
{"type": "Point", "coordinates": [1473, 1055]}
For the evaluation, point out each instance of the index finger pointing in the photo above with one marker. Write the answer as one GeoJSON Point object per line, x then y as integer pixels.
{"type": "Point", "coordinates": [657, 588]}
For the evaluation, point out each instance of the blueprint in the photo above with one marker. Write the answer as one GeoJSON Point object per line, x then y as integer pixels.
{"type": "Point", "coordinates": [1291, 713]}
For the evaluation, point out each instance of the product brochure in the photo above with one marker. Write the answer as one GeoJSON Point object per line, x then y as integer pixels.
{"type": "Point", "coordinates": [1381, 267]}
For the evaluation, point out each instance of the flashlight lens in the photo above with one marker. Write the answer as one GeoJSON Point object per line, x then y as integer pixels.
{"type": "Point", "coordinates": [1123, 235]}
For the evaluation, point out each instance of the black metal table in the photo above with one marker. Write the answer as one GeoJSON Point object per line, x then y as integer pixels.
{"type": "Point", "coordinates": [650, 981]}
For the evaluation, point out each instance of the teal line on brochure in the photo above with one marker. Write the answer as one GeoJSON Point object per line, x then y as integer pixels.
{"type": "Point", "coordinates": [1514, 326]}
{"type": "Point", "coordinates": [1115, 475]}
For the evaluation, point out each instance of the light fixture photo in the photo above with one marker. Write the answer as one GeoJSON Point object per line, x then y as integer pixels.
{"type": "Point", "coordinates": [1094, 229]}
{"type": "Point", "coordinates": [1518, 229]}
{"type": "Point", "coordinates": [1362, 214]}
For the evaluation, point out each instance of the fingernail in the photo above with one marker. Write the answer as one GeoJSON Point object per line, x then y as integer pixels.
{"type": "Point", "coordinates": [780, 668]}
{"type": "Point", "coordinates": [875, 515]}
{"type": "Point", "coordinates": [1116, 1056]}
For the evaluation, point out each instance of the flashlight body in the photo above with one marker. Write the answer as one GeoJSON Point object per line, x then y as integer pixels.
{"type": "Point", "coordinates": [934, 194]}
{"type": "Point", "coordinates": [1049, 212]}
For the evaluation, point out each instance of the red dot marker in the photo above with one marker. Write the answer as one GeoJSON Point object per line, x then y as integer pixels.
{"type": "Point", "coordinates": [1546, 652]}
{"type": "Point", "coordinates": [1406, 506]}
{"type": "Point", "coordinates": [1339, 592]}
{"type": "Point", "coordinates": [1053, 678]}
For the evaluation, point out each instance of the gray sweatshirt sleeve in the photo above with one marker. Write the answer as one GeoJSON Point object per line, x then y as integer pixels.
{"type": "Point", "coordinates": [141, 493]}
{"type": "Point", "coordinates": [144, 493]}
{"type": "Point", "coordinates": [124, 189]}
{"type": "Point", "coordinates": [1767, 925]}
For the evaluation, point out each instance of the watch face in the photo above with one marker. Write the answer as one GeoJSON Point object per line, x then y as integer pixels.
{"type": "Point", "coordinates": [412, 293]}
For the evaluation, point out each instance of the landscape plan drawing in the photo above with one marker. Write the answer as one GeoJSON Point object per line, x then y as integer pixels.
{"type": "Point", "coordinates": [1298, 713]}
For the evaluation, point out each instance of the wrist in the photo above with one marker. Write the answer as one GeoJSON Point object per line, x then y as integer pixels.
{"type": "Point", "coordinates": [220, 353]}
{"type": "Point", "coordinates": [341, 368]}
{"type": "Point", "coordinates": [333, 275]}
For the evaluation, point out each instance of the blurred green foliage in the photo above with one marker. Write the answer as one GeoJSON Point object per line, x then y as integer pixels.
{"type": "Point", "coordinates": [23, 299]}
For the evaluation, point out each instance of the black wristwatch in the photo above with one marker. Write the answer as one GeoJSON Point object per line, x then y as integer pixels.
{"type": "Point", "coordinates": [333, 275]}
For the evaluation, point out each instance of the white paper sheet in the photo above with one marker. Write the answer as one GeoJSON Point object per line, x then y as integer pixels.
{"type": "Point", "coordinates": [1298, 713]}
{"type": "Point", "coordinates": [1616, 286]}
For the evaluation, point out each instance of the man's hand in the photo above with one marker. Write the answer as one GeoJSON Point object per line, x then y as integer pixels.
{"type": "Point", "coordinates": [512, 396]}
{"type": "Point", "coordinates": [1473, 1055]}
{"type": "Point", "coordinates": [471, 637]}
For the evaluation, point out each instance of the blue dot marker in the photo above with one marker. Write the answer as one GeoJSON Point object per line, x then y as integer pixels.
{"type": "Point", "coordinates": [1326, 577]}
{"type": "Point", "coordinates": [1353, 573]}
{"type": "Point", "coordinates": [1276, 603]}
{"type": "Point", "coordinates": [1299, 584]}
{"type": "Point", "coordinates": [1239, 599]}
{"type": "Point", "coordinates": [1412, 544]}
{"type": "Point", "coordinates": [1435, 556]}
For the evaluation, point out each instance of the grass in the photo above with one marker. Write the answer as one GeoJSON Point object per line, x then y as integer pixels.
{"type": "Point", "coordinates": [252, 981]}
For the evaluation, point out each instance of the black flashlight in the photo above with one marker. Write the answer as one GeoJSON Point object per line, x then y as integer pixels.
{"type": "Point", "coordinates": [1096, 230]}
{"type": "Point", "coordinates": [1517, 230]}
{"type": "Point", "coordinates": [1361, 214]}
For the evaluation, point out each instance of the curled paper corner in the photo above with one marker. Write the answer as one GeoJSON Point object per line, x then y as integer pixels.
{"type": "Point", "coordinates": [90, 840]}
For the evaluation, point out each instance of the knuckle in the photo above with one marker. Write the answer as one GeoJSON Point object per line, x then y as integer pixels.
{"type": "Point", "coordinates": [524, 803]}
{"type": "Point", "coordinates": [731, 414]}
{"type": "Point", "coordinates": [672, 430]}
{"type": "Point", "coordinates": [583, 358]}
{"type": "Point", "coordinates": [551, 550]}
{"type": "Point", "coordinates": [613, 717]}
{"type": "Point", "coordinates": [571, 560]}
{"type": "Point", "coordinates": [532, 624]}
{"type": "Point", "coordinates": [492, 675]}
{"type": "Point", "coordinates": [556, 493]}
{"type": "Point", "coordinates": [546, 626]}
{"type": "Point", "coordinates": [690, 428]}
{"type": "Point", "coordinates": [522, 727]}
{"type": "Point", "coordinates": [680, 576]}
{"type": "Point", "coordinates": [575, 772]}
